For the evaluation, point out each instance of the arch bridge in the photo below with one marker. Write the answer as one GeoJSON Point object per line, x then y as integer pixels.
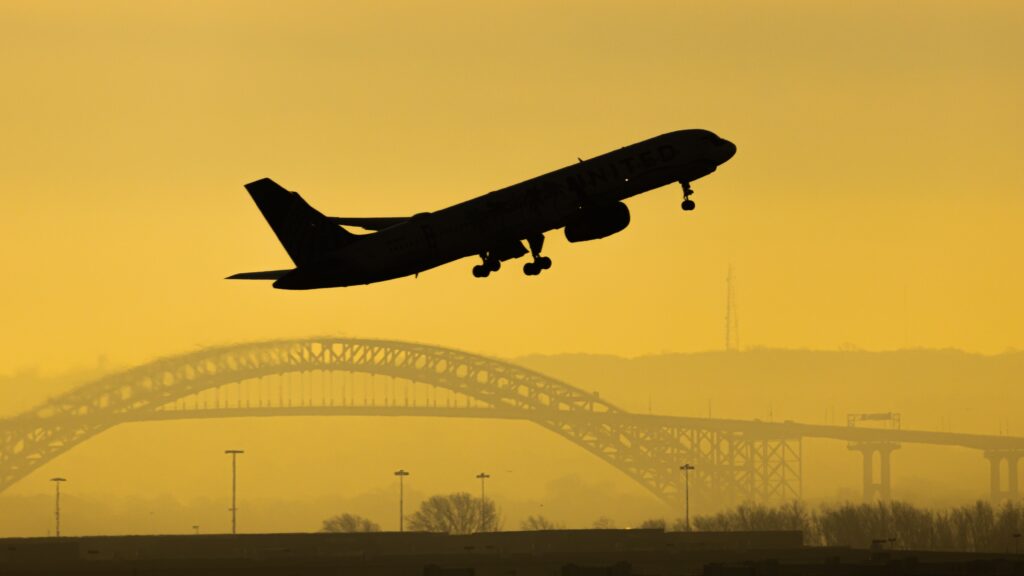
{"type": "Point", "coordinates": [328, 376]}
{"type": "Point", "coordinates": [734, 460]}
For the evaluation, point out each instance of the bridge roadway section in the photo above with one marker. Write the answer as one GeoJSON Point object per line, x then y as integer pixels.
{"type": "Point", "coordinates": [734, 460]}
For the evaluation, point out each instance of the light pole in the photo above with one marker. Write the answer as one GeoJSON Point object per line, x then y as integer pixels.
{"type": "Point", "coordinates": [234, 485]}
{"type": "Point", "coordinates": [56, 482]}
{"type": "Point", "coordinates": [483, 476]}
{"type": "Point", "coordinates": [401, 499]}
{"type": "Point", "coordinates": [686, 475]}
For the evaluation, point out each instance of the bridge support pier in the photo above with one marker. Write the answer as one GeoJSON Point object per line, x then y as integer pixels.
{"type": "Point", "coordinates": [995, 459]}
{"type": "Point", "coordinates": [880, 489]}
{"type": "Point", "coordinates": [730, 467]}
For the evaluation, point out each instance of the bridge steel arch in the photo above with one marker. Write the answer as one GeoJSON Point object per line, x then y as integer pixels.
{"type": "Point", "coordinates": [731, 465]}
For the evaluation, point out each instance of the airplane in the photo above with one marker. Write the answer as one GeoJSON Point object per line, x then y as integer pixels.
{"type": "Point", "coordinates": [586, 199]}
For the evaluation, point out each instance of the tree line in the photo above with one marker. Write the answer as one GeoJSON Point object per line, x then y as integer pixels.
{"type": "Point", "coordinates": [980, 527]}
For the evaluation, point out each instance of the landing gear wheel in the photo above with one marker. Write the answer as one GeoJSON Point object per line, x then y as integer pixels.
{"type": "Point", "coordinates": [539, 262]}
{"type": "Point", "coordinates": [687, 191]}
{"type": "Point", "coordinates": [489, 263]}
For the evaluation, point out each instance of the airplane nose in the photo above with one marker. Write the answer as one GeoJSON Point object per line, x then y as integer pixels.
{"type": "Point", "coordinates": [728, 150]}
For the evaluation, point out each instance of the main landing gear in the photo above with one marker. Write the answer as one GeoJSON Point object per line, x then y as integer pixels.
{"type": "Point", "coordinates": [687, 191]}
{"type": "Point", "coordinates": [539, 263]}
{"type": "Point", "coordinates": [490, 264]}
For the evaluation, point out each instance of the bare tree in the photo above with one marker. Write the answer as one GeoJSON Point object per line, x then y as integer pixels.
{"type": "Point", "coordinates": [349, 523]}
{"type": "Point", "coordinates": [458, 513]}
{"type": "Point", "coordinates": [539, 522]}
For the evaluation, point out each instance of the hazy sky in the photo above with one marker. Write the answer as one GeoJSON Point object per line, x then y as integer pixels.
{"type": "Point", "coordinates": [875, 199]}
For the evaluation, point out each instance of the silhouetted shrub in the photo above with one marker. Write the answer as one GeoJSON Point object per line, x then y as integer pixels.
{"type": "Point", "coordinates": [539, 523]}
{"type": "Point", "coordinates": [349, 523]}
{"type": "Point", "coordinates": [652, 524]}
{"type": "Point", "coordinates": [603, 523]}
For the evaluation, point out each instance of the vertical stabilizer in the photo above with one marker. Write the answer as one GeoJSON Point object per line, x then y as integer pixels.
{"type": "Point", "coordinates": [306, 234]}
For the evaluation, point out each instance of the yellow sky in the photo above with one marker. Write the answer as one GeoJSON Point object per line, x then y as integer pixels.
{"type": "Point", "coordinates": [875, 200]}
{"type": "Point", "coordinates": [878, 156]}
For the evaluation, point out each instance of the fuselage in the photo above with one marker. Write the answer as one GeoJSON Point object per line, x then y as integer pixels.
{"type": "Point", "coordinates": [502, 219]}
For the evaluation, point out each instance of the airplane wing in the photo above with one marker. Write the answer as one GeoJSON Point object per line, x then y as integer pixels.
{"type": "Point", "coordinates": [372, 224]}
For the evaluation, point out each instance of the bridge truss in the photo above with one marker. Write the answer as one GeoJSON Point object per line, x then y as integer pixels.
{"type": "Point", "coordinates": [342, 376]}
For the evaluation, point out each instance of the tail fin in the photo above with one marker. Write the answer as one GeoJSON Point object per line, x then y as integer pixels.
{"type": "Point", "coordinates": [305, 233]}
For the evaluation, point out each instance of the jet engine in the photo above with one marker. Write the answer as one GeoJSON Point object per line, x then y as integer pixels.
{"type": "Point", "coordinates": [598, 222]}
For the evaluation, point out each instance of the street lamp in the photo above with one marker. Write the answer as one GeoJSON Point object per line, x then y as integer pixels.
{"type": "Point", "coordinates": [401, 499]}
{"type": "Point", "coordinates": [56, 483]}
{"type": "Point", "coordinates": [234, 485]}
{"type": "Point", "coordinates": [686, 475]}
{"type": "Point", "coordinates": [483, 476]}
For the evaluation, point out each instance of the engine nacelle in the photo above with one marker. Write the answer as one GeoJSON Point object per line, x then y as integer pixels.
{"type": "Point", "coordinates": [598, 222]}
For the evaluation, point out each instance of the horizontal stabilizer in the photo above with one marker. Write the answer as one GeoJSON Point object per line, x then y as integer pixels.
{"type": "Point", "coordinates": [263, 275]}
{"type": "Point", "coordinates": [373, 224]}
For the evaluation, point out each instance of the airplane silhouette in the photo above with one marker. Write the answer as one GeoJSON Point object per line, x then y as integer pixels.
{"type": "Point", "coordinates": [584, 198]}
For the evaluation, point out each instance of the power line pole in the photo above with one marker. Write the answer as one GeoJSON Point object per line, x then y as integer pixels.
{"type": "Point", "coordinates": [234, 488]}
{"type": "Point", "coordinates": [56, 482]}
{"type": "Point", "coordinates": [483, 476]}
{"type": "Point", "coordinates": [401, 499]}
{"type": "Point", "coordinates": [686, 475]}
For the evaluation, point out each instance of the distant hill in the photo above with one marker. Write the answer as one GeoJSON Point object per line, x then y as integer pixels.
{"type": "Point", "coordinates": [932, 389]}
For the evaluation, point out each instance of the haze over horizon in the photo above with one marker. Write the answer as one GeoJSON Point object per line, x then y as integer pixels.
{"type": "Point", "coordinates": [299, 470]}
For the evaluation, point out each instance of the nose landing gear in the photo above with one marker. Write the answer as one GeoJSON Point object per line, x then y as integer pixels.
{"type": "Point", "coordinates": [539, 263]}
{"type": "Point", "coordinates": [687, 203]}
